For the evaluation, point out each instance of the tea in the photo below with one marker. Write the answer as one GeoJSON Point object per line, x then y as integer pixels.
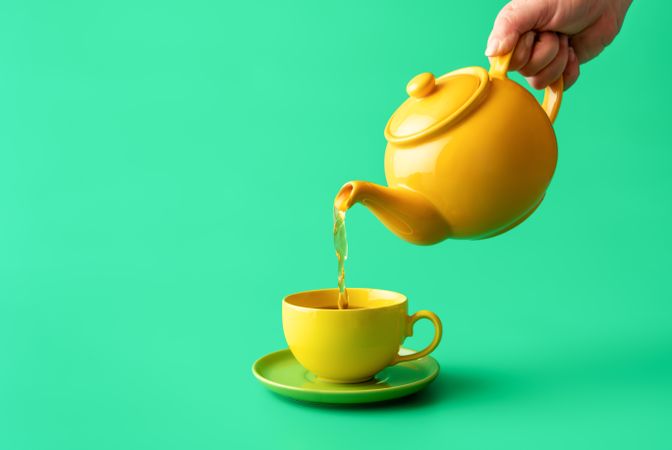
{"type": "Point", "coordinates": [338, 307]}
{"type": "Point", "coordinates": [341, 247]}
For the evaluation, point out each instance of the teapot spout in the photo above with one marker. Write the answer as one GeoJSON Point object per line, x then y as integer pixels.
{"type": "Point", "coordinates": [405, 212]}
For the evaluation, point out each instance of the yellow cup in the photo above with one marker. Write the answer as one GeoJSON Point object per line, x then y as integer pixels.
{"type": "Point", "coordinates": [351, 345]}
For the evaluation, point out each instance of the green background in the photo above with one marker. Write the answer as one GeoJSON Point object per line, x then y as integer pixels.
{"type": "Point", "coordinates": [166, 176]}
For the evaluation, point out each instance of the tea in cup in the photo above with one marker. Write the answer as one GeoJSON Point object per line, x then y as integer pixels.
{"type": "Point", "coordinates": [351, 345]}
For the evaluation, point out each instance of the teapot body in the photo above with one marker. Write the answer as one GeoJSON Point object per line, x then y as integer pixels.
{"type": "Point", "coordinates": [488, 171]}
{"type": "Point", "coordinates": [469, 156]}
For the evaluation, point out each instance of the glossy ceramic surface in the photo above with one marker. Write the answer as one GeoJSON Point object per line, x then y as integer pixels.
{"type": "Point", "coordinates": [351, 345]}
{"type": "Point", "coordinates": [282, 373]}
{"type": "Point", "coordinates": [469, 156]}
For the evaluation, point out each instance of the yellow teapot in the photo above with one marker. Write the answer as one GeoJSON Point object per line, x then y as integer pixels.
{"type": "Point", "coordinates": [469, 156]}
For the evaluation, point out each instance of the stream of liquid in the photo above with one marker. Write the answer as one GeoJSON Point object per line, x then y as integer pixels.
{"type": "Point", "coordinates": [341, 247]}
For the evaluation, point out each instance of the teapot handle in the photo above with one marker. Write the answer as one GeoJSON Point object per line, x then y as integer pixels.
{"type": "Point", "coordinates": [499, 65]}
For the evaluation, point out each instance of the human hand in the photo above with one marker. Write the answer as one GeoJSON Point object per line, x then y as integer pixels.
{"type": "Point", "coordinates": [552, 37]}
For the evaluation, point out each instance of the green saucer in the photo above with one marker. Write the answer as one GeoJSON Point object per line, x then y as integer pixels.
{"type": "Point", "coordinates": [281, 373]}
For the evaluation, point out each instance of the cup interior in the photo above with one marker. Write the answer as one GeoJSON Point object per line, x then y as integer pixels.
{"type": "Point", "coordinates": [358, 298]}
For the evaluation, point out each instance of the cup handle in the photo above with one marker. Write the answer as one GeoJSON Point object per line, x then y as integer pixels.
{"type": "Point", "coordinates": [499, 65]}
{"type": "Point", "coordinates": [438, 329]}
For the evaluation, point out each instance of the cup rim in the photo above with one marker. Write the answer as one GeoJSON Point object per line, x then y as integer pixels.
{"type": "Point", "coordinates": [399, 300]}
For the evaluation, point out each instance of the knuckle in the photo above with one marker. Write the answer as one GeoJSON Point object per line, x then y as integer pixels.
{"type": "Point", "coordinates": [506, 20]}
{"type": "Point", "coordinates": [508, 15]}
{"type": "Point", "coordinates": [611, 26]}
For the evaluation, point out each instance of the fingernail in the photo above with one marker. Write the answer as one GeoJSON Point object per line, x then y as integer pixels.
{"type": "Point", "coordinates": [572, 55]}
{"type": "Point", "coordinates": [493, 46]}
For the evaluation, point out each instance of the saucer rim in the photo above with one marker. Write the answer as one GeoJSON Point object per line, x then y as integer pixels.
{"type": "Point", "coordinates": [422, 381]}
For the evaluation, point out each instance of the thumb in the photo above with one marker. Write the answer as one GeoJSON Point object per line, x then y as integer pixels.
{"type": "Point", "coordinates": [516, 18]}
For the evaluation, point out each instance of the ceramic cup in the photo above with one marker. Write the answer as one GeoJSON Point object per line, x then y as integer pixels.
{"type": "Point", "coordinates": [351, 345]}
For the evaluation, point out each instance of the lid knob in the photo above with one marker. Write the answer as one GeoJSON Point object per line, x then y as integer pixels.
{"type": "Point", "coordinates": [421, 85]}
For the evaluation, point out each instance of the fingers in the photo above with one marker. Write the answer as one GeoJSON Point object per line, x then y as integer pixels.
{"type": "Point", "coordinates": [590, 42]}
{"type": "Point", "coordinates": [587, 45]}
{"type": "Point", "coordinates": [521, 55]}
{"type": "Point", "coordinates": [545, 50]}
{"type": "Point", "coordinates": [554, 69]}
{"type": "Point", "coordinates": [516, 18]}
{"type": "Point", "coordinates": [571, 72]}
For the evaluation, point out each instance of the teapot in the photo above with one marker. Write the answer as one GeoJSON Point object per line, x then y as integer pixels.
{"type": "Point", "coordinates": [469, 156]}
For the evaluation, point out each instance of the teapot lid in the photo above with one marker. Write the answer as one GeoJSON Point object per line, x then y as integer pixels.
{"type": "Point", "coordinates": [434, 103]}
